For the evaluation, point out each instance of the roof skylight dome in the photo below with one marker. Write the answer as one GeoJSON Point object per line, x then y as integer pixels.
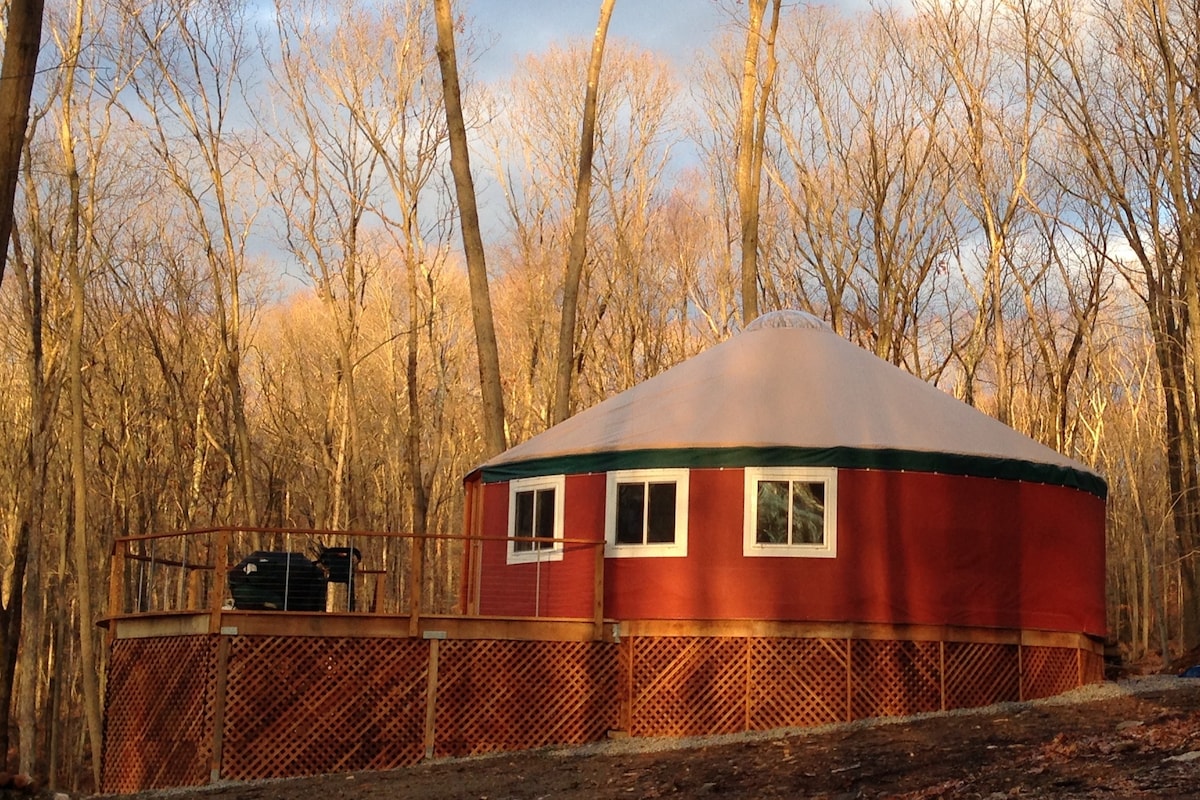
{"type": "Point", "coordinates": [787, 318]}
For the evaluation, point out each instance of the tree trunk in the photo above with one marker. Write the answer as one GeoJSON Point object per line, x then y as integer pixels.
{"type": "Point", "coordinates": [10, 633]}
{"type": "Point", "coordinates": [481, 301]}
{"type": "Point", "coordinates": [16, 85]}
{"type": "Point", "coordinates": [30, 627]}
{"type": "Point", "coordinates": [748, 203]}
{"type": "Point", "coordinates": [79, 465]}
{"type": "Point", "coordinates": [752, 115]}
{"type": "Point", "coordinates": [578, 248]}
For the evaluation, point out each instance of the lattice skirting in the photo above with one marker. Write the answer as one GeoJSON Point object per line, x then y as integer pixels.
{"type": "Point", "coordinates": [184, 710]}
{"type": "Point", "coordinates": [159, 713]}
{"type": "Point", "coordinates": [690, 686]}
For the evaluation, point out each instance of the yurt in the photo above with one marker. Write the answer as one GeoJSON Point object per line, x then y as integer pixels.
{"type": "Point", "coordinates": [788, 485]}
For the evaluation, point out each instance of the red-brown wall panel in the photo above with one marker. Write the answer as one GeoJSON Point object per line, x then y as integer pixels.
{"type": "Point", "coordinates": [913, 548]}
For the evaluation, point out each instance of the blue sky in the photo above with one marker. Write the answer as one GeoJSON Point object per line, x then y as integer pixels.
{"type": "Point", "coordinates": [515, 28]}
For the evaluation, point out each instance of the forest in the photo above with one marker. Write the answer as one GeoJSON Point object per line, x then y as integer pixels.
{"type": "Point", "coordinates": [235, 291]}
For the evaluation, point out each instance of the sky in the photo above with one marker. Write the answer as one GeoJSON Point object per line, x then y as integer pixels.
{"type": "Point", "coordinates": [512, 29]}
{"type": "Point", "coordinates": [506, 31]}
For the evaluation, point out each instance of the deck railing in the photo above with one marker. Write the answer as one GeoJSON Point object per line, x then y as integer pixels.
{"type": "Point", "coordinates": [378, 574]}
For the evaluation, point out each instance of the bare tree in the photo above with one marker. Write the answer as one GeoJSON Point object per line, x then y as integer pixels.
{"type": "Point", "coordinates": [752, 123]}
{"type": "Point", "coordinates": [82, 555]}
{"type": "Point", "coordinates": [323, 181]}
{"type": "Point", "coordinates": [187, 82]}
{"type": "Point", "coordinates": [1118, 71]}
{"type": "Point", "coordinates": [863, 181]}
{"type": "Point", "coordinates": [564, 366]}
{"type": "Point", "coordinates": [481, 303]}
{"type": "Point", "coordinates": [623, 284]}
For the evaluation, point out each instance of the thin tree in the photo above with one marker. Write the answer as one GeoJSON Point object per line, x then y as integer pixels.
{"type": "Point", "coordinates": [481, 302]}
{"type": "Point", "coordinates": [751, 141]}
{"type": "Point", "coordinates": [578, 248]}
{"type": "Point", "coordinates": [79, 466]}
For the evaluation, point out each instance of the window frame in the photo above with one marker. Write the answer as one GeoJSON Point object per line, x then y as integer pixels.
{"type": "Point", "coordinates": [675, 549]}
{"type": "Point", "coordinates": [752, 548]}
{"type": "Point", "coordinates": [536, 555]}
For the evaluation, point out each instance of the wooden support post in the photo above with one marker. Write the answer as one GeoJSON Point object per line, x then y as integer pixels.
{"type": "Point", "coordinates": [472, 580]}
{"type": "Point", "coordinates": [849, 680]}
{"type": "Point", "coordinates": [1020, 672]}
{"type": "Point", "coordinates": [625, 707]}
{"type": "Point", "coordinates": [431, 689]}
{"type": "Point", "coordinates": [220, 693]}
{"type": "Point", "coordinates": [942, 670]}
{"type": "Point", "coordinates": [598, 591]}
{"type": "Point", "coordinates": [464, 591]}
{"type": "Point", "coordinates": [474, 604]}
{"type": "Point", "coordinates": [748, 684]}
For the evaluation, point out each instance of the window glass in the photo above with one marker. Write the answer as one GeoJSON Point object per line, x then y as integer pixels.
{"type": "Point", "coordinates": [772, 512]}
{"type": "Point", "coordinates": [545, 518]}
{"type": "Point", "coordinates": [631, 501]}
{"type": "Point", "coordinates": [523, 520]}
{"type": "Point", "coordinates": [808, 513]}
{"type": "Point", "coordinates": [535, 512]}
{"type": "Point", "coordinates": [791, 511]}
{"type": "Point", "coordinates": [646, 513]}
{"type": "Point", "coordinates": [660, 514]}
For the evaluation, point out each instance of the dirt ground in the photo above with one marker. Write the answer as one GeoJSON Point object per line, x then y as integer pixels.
{"type": "Point", "coordinates": [1134, 739]}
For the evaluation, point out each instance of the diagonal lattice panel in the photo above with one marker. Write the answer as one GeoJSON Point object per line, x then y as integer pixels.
{"type": "Point", "coordinates": [685, 686]}
{"type": "Point", "coordinates": [310, 705]}
{"type": "Point", "coordinates": [510, 695]}
{"type": "Point", "coordinates": [1047, 671]}
{"type": "Point", "coordinates": [796, 682]}
{"type": "Point", "coordinates": [159, 713]}
{"type": "Point", "coordinates": [894, 678]}
{"type": "Point", "coordinates": [981, 674]}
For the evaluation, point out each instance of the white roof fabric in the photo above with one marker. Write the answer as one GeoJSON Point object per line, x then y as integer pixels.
{"type": "Point", "coordinates": [799, 389]}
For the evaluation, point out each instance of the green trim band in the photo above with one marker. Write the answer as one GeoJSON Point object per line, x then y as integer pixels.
{"type": "Point", "coordinates": [843, 457]}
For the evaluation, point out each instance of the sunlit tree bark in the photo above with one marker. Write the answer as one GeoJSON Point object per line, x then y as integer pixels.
{"type": "Point", "coordinates": [495, 439]}
{"type": "Point", "coordinates": [82, 553]}
{"type": "Point", "coordinates": [751, 133]}
{"type": "Point", "coordinates": [564, 364]}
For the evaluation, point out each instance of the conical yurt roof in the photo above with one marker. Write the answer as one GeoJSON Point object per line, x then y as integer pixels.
{"type": "Point", "coordinates": [788, 391]}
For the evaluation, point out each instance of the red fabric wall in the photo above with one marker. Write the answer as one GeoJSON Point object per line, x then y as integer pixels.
{"type": "Point", "coordinates": [912, 548]}
{"type": "Point", "coordinates": [553, 588]}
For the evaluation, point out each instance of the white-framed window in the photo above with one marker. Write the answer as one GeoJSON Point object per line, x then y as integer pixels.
{"type": "Point", "coordinates": [645, 513]}
{"type": "Point", "coordinates": [535, 519]}
{"type": "Point", "coordinates": [791, 511]}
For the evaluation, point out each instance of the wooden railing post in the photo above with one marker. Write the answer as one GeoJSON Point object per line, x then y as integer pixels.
{"type": "Point", "coordinates": [220, 569]}
{"type": "Point", "coordinates": [116, 587]}
{"type": "Point", "coordinates": [416, 576]}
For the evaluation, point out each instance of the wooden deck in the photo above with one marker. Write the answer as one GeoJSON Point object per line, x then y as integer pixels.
{"type": "Point", "coordinates": [198, 692]}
